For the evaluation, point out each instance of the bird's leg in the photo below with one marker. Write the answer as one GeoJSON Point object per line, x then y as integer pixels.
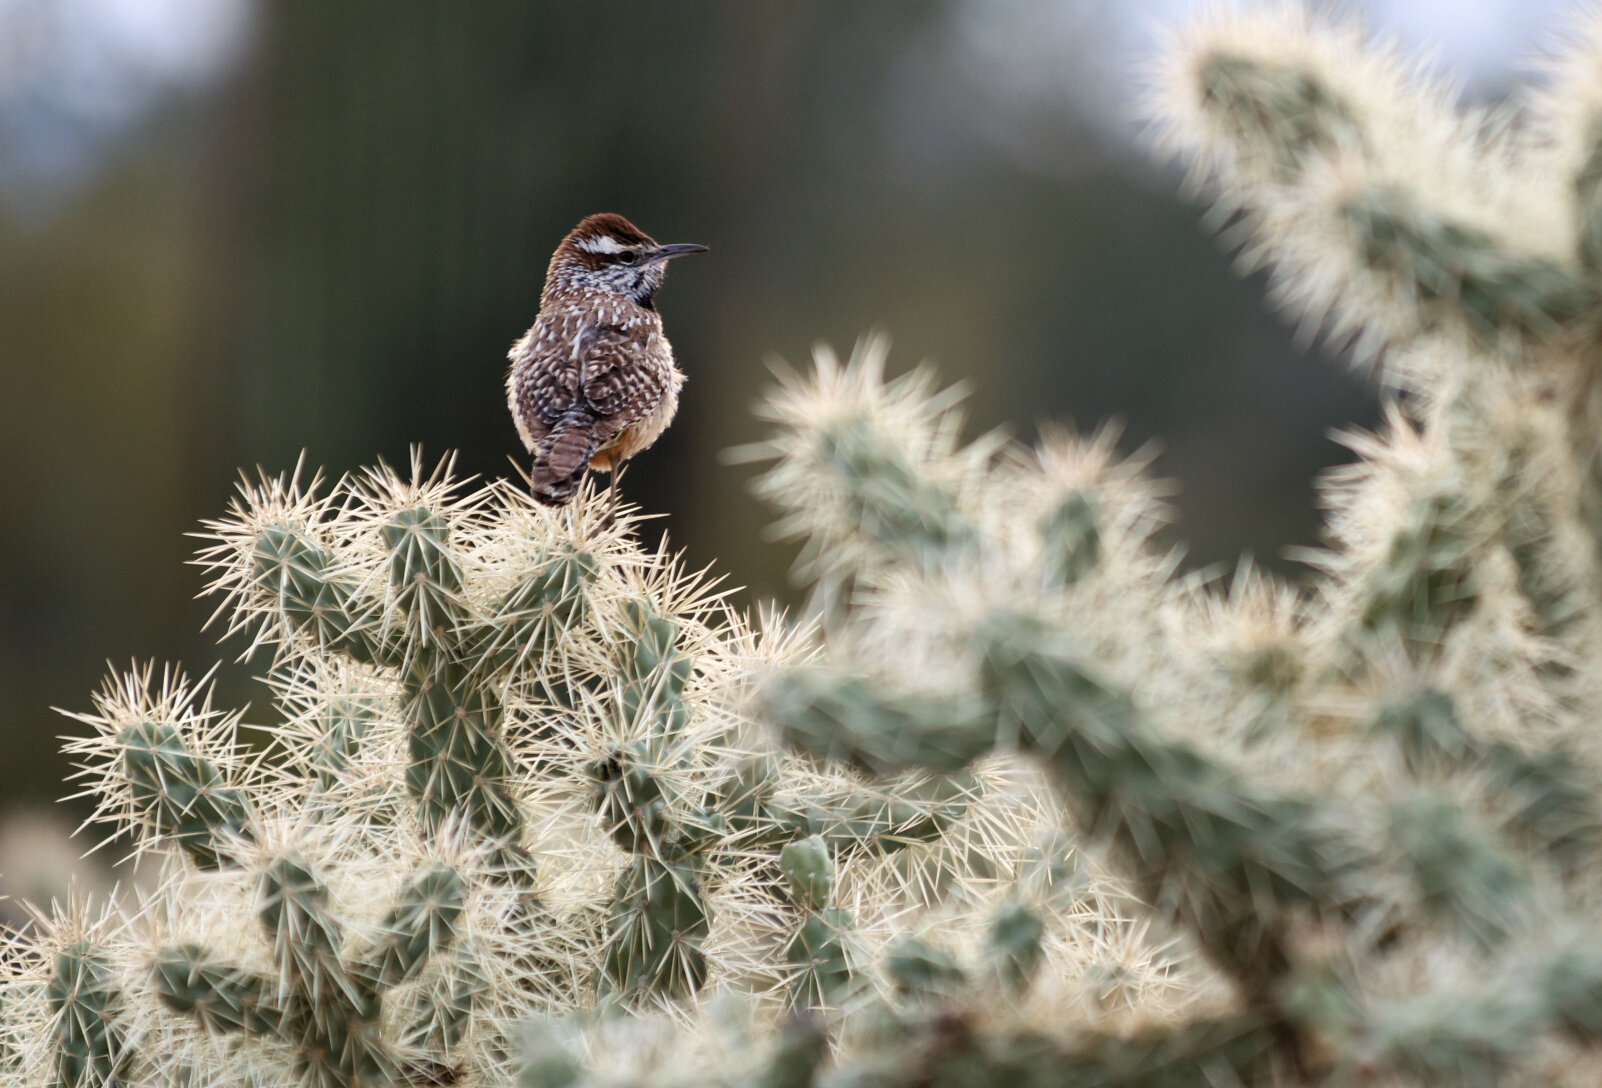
{"type": "Point", "coordinates": [611, 493]}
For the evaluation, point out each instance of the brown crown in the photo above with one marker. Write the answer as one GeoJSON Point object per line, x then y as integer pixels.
{"type": "Point", "coordinates": [609, 223]}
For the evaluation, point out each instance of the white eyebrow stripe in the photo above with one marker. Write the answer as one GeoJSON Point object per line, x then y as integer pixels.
{"type": "Point", "coordinates": [601, 243]}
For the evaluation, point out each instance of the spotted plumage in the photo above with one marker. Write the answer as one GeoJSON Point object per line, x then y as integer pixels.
{"type": "Point", "coordinates": [593, 382]}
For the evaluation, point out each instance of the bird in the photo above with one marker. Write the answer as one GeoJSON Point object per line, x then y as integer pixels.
{"type": "Point", "coordinates": [593, 382]}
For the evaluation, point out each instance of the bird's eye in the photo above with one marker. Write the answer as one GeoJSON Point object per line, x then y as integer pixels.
{"type": "Point", "coordinates": [627, 256]}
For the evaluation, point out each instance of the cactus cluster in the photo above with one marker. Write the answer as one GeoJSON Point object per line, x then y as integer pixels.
{"type": "Point", "coordinates": [1020, 802]}
{"type": "Point", "coordinates": [516, 774]}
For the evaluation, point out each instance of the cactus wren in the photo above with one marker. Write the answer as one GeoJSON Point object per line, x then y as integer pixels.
{"type": "Point", "coordinates": [593, 382]}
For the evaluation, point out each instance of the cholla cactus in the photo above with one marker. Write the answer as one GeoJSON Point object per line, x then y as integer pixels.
{"type": "Point", "coordinates": [516, 775]}
{"type": "Point", "coordinates": [1337, 834]}
{"type": "Point", "coordinates": [1370, 804]}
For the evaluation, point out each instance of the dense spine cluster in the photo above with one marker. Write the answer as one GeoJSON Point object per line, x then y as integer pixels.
{"type": "Point", "coordinates": [516, 775]}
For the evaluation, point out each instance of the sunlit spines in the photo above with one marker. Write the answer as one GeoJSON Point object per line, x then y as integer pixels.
{"type": "Point", "coordinates": [412, 536]}
{"type": "Point", "coordinates": [422, 923]}
{"type": "Point", "coordinates": [1385, 212]}
{"type": "Point", "coordinates": [93, 1045]}
{"type": "Point", "coordinates": [1235, 859]}
{"type": "Point", "coordinates": [1254, 95]}
{"type": "Point", "coordinates": [947, 1025]}
{"type": "Point", "coordinates": [222, 997]}
{"type": "Point", "coordinates": [72, 1017]}
{"type": "Point", "coordinates": [871, 817]}
{"type": "Point", "coordinates": [340, 738]}
{"type": "Point", "coordinates": [1431, 551]}
{"type": "Point", "coordinates": [654, 670]}
{"type": "Point", "coordinates": [268, 557]}
{"type": "Point", "coordinates": [309, 593]}
{"type": "Point", "coordinates": [1545, 467]}
{"type": "Point", "coordinates": [459, 767]}
{"type": "Point", "coordinates": [12, 1050]}
{"type": "Point", "coordinates": [725, 1047]}
{"type": "Point", "coordinates": [1567, 107]}
{"type": "Point", "coordinates": [1080, 506]}
{"type": "Point", "coordinates": [164, 766]}
{"type": "Point", "coordinates": [864, 466]}
{"type": "Point", "coordinates": [452, 1008]}
{"type": "Point", "coordinates": [1403, 522]}
{"type": "Point", "coordinates": [547, 647]}
{"type": "Point", "coordinates": [1241, 645]}
{"type": "Point", "coordinates": [541, 609]}
{"type": "Point", "coordinates": [340, 941]}
{"type": "Point", "coordinates": [659, 914]}
{"type": "Point", "coordinates": [1451, 270]}
{"type": "Point", "coordinates": [817, 954]}
{"type": "Point", "coordinates": [1526, 791]}
{"type": "Point", "coordinates": [549, 575]}
{"type": "Point", "coordinates": [1542, 1016]}
{"type": "Point", "coordinates": [659, 920]}
{"type": "Point", "coordinates": [1385, 260]}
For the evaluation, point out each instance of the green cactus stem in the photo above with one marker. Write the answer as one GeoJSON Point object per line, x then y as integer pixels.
{"type": "Point", "coordinates": [1275, 108]}
{"type": "Point", "coordinates": [92, 1041]}
{"type": "Point", "coordinates": [183, 795]}
{"type": "Point", "coordinates": [325, 1006]}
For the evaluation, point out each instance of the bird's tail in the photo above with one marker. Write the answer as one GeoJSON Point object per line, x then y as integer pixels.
{"type": "Point", "coordinates": [562, 457]}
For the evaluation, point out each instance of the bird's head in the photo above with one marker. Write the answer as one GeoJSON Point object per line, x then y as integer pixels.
{"type": "Point", "coordinates": [607, 253]}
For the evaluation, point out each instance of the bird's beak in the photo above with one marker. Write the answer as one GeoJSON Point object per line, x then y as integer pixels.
{"type": "Point", "coordinates": [678, 249]}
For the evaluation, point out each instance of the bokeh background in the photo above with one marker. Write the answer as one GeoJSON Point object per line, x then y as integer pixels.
{"type": "Point", "coordinates": [233, 230]}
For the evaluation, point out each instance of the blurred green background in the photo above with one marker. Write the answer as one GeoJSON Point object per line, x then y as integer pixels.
{"type": "Point", "coordinates": [230, 232]}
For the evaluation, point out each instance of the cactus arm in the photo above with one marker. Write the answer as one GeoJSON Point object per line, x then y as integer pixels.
{"type": "Point", "coordinates": [1588, 203]}
{"type": "Point", "coordinates": [947, 1052]}
{"type": "Point", "coordinates": [330, 1010]}
{"type": "Point", "coordinates": [297, 574]}
{"type": "Point", "coordinates": [545, 603]}
{"type": "Point", "coordinates": [884, 498]}
{"type": "Point", "coordinates": [459, 765]}
{"type": "Point", "coordinates": [183, 795]}
{"type": "Point", "coordinates": [1446, 265]}
{"type": "Point", "coordinates": [423, 923]}
{"type": "Point", "coordinates": [1231, 856]}
{"type": "Point", "coordinates": [659, 919]}
{"type": "Point", "coordinates": [425, 578]}
{"type": "Point", "coordinates": [817, 952]}
{"type": "Point", "coordinates": [1451, 1036]}
{"type": "Point", "coordinates": [1273, 116]}
{"type": "Point", "coordinates": [882, 820]}
{"type": "Point", "coordinates": [344, 725]}
{"type": "Point", "coordinates": [91, 1037]}
{"type": "Point", "coordinates": [458, 996]}
{"type": "Point", "coordinates": [220, 996]}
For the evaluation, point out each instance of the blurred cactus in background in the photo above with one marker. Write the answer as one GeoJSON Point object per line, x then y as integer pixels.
{"type": "Point", "coordinates": [1370, 807]}
{"type": "Point", "coordinates": [1022, 803]}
